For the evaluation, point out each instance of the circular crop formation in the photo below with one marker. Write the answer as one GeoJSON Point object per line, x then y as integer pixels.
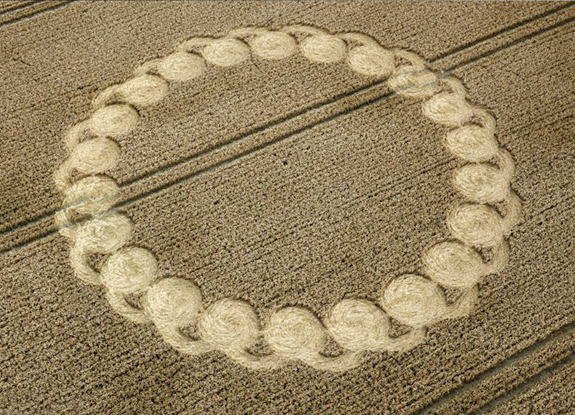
{"type": "Point", "coordinates": [479, 224]}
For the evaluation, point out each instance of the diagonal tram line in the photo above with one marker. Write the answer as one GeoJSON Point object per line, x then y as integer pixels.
{"type": "Point", "coordinates": [18, 6]}
{"type": "Point", "coordinates": [544, 374]}
{"type": "Point", "coordinates": [511, 360]}
{"type": "Point", "coordinates": [533, 348]}
{"type": "Point", "coordinates": [35, 12]}
{"type": "Point", "coordinates": [295, 114]}
{"type": "Point", "coordinates": [288, 117]}
{"type": "Point", "coordinates": [559, 332]}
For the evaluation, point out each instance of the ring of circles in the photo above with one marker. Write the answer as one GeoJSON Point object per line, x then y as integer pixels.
{"type": "Point", "coordinates": [479, 224]}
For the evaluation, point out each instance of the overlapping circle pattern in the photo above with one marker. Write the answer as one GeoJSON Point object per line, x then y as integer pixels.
{"type": "Point", "coordinates": [481, 222]}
